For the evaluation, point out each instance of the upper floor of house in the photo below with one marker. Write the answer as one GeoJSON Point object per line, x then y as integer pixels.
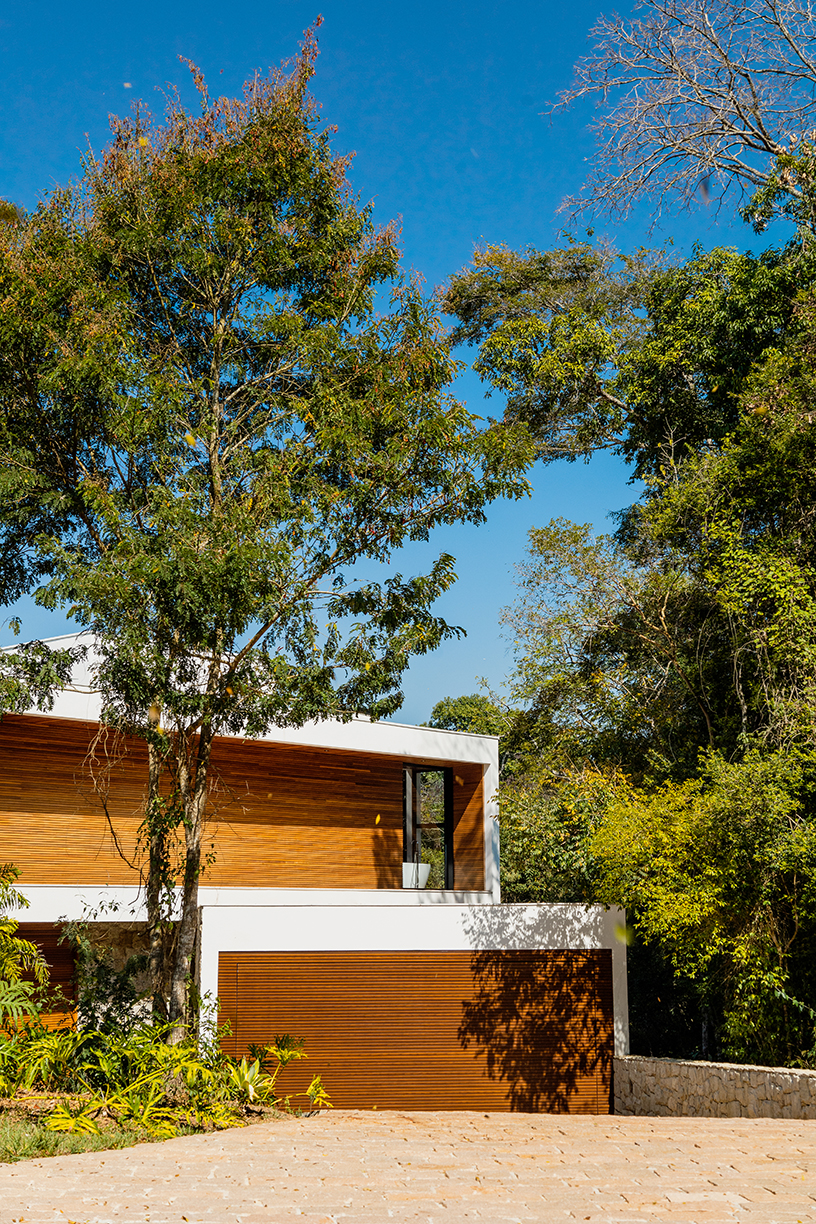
{"type": "Point", "coordinates": [360, 805]}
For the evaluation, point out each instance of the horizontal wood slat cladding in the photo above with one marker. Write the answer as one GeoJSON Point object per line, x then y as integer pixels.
{"type": "Point", "coordinates": [61, 964]}
{"type": "Point", "coordinates": [511, 1030]}
{"type": "Point", "coordinates": [468, 826]}
{"type": "Point", "coordinates": [52, 825]}
{"type": "Point", "coordinates": [280, 815]}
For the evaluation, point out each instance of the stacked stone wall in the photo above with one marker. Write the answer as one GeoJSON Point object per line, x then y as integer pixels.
{"type": "Point", "coordinates": [667, 1087]}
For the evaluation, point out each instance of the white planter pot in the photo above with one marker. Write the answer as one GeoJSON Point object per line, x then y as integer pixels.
{"type": "Point", "coordinates": [415, 875]}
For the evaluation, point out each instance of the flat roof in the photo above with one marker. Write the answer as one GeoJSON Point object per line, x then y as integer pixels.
{"type": "Point", "coordinates": [80, 701]}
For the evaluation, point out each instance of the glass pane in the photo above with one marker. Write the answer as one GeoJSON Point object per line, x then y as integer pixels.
{"type": "Point", "coordinates": [425, 845]}
{"type": "Point", "coordinates": [432, 850]}
{"type": "Point", "coordinates": [431, 797]}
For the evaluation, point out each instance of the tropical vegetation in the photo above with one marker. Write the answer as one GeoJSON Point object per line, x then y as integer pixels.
{"type": "Point", "coordinates": [664, 755]}
{"type": "Point", "coordinates": [104, 1074]}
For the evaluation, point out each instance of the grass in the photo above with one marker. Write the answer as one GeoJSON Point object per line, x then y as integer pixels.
{"type": "Point", "coordinates": [24, 1135]}
{"type": "Point", "coordinates": [24, 1138]}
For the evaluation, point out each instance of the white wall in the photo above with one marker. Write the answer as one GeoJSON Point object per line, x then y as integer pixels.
{"type": "Point", "coordinates": [109, 903]}
{"type": "Point", "coordinates": [126, 903]}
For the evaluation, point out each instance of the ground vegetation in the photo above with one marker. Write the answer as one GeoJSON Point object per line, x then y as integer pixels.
{"type": "Point", "coordinates": [94, 1070]}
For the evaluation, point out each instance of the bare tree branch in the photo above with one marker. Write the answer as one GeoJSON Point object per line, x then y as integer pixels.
{"type": "Point", "coordinates": [697, 98]}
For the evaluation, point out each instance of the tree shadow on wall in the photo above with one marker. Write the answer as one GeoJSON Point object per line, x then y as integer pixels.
{"type": "Point", "coordinates": [542, 1021]}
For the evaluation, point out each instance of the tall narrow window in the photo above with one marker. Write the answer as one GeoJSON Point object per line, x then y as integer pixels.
{"type": "Point", "coordinates": [428, 829]}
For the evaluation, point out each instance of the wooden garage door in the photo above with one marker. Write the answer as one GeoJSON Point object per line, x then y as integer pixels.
{"type": "Point", "coordinates": [526, 1031]}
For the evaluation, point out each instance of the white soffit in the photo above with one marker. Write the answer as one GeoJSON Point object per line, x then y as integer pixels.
{"type": "Point", "coordinates": [80, 701]}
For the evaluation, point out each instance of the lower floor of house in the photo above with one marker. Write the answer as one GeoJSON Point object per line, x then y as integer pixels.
{"type": "Point", "coordinates": [436, 1005]}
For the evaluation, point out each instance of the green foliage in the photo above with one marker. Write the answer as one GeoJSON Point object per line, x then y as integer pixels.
{"type": "Point", "coordinates": [483, 714]}
{"type": "Point", "coordinates": [262, 1075]}
{"type": "Point", "coordinates": [720, 873]}
{"type": "Point", "coordinates": [10, 214]}
{"type": "Point", "coordinates": [134, 1082]}
{"type": "Point", "coordinates": [17, 999]}
{"type": "Point", "coordinates": [17, 956]}
{"type": "Point", "coordinates": [692, 628]}
{"type": "Point", "coordinates": [552, 326]}
{"type": "Point", "coordinates": [248, 1082]}
{"type": "Point", "coordinates": [597, 350]}
{"type": "Point", "coordinates": [317, 1094]}
{"type": "Point", "coordinates": [621, 653]}
{"type": "Point", "coordinates": [546, 827]}
{"type": "Point", "coordinates": [32, 672]}
{"type": "Point", "coordinates": [632, 658]}
{"type": "Point", "coordinates": [475, 713]}
{"type": "Point", "coordinates": [142, 1104]}
{"type": "Point", "coordinates": [78, 1119]}
{"type": "Point", "coordinates": [743, 515]}
{"type": "Point", "coordinates": [107, 997]}
{"type": "Point", "coordinates": [789, 192]}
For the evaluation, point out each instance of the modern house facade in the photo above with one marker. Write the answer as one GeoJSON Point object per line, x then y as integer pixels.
{"type": "Point", "coordinates": [351, 896]}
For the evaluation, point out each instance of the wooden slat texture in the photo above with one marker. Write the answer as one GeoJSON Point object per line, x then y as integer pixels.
{"type": "Point", "coordinates": [511, 1030]}
{"type": "Point", "coordinates": [52, 826]}
{"type": "Point", "coordinates": [468, 826]}
{"type": "Point", "coordinates": [60, 960]}
{"type": "Point", "coordinates": [279, 816]}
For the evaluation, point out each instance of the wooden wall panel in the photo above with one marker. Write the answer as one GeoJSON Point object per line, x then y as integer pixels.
{"type": "Point", "coordinates": [52, 825]}
{"type": "Point", "coordinates": [280, 816]}
{"type": "Point", "coordinates": [511, 1030]}
{"type": "Point", "coordinates": [468, 826]}
{"type": "Point", "coordinates": [60, 960]}
{"type": "Point", "coordinates": [313, 817]}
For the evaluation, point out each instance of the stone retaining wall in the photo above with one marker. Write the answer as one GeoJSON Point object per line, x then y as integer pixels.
{"type": "Point", "coordinates": [117, 942]}
{"type": "Point", "coordinates": [667, 1087]}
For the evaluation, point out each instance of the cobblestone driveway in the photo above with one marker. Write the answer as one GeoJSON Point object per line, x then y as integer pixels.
{"type": "Point", "coordinates": [441, 1168]}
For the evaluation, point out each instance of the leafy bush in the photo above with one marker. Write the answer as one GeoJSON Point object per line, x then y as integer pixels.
{"type": "Point", "coordinates": [17, 956]}
{"type": "Point", "coordinates": [136, 1081]}
{"type": "Point", "coordinates": [112, 1069]}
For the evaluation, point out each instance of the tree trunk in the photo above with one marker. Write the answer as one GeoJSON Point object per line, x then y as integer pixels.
{"type": "Point", "coordinates": [193, 791]}
{"type": "Point", "coordinates": [157, 835]}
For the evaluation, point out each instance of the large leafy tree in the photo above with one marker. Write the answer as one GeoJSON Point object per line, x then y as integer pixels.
{"type": "Point", "coordinates": [475, 713]}
{"type": "Point", "coordinates": [668, 669]}
{"type": "Point", "coordinates": [219, 396]}
{"type": "Point", "coordinates": [31, 672]}
{"type": "Point", "coordinates": [720, 874]}
{"type": "Point", "coordinates": [670, 674]}
{"type": "Point", "coordinates": [671, 755]}
{"type": "Point", "coordinates": [637, 355]}
{"type": "Point", "coordinates": [622, 655]}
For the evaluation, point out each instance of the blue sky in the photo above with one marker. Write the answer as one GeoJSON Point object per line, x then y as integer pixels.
{"type": "Point", "coordinates": [443, 106]}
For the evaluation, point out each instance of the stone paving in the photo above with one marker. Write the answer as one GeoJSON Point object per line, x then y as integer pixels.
{"type": "Point", "coordinates": [435, 1168]}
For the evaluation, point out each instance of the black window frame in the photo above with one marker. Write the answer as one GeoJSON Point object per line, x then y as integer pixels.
{"type": "Point", "coordinates": [410, 845]}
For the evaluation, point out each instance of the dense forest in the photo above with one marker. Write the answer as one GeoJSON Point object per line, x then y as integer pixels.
{"type": "Point", "coordinates": [659, 725]}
